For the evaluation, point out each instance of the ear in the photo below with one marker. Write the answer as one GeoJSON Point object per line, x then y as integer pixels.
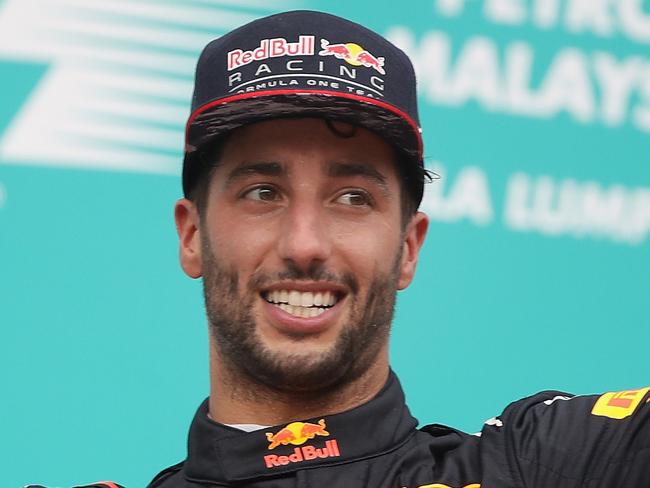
{"type": "Point", "coordinates": [189, 237]}
{"type": "Point", "coordinates": [413, 240]}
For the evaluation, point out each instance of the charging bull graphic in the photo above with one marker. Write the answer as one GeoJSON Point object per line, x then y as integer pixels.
{"type": "Point", "coordinates": [296, 433]}
{"type": "Point", "coordinates": [352, 54]}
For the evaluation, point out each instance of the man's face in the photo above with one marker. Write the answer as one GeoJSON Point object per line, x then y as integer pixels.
{"type": "Point", "coordinates": [302, 249]}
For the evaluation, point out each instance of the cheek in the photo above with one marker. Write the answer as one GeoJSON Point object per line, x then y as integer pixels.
{"type": "Point", "coordinates": [242, 244]}
{"type": "Point", "coordinates": [369, 249]}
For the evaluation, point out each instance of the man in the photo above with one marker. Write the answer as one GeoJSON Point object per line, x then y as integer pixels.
{"type": "Point", "coordinates": [302, 177]}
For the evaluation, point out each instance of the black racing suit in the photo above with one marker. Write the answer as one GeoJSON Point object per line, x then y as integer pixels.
{"type": "Point", "coordinates": [549, 440]}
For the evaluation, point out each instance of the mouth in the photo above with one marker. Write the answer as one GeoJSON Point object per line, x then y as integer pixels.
{"type": "Point", "coordinates": [303, 304]}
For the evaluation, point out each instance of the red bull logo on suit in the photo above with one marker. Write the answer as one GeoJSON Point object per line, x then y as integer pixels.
{"type": "Point", "coordinates": [297, 433]}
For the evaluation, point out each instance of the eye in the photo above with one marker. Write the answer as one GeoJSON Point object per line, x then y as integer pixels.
{"type": "Point", "coordinates": [355, 198]}
{"type": "Point", "coordinates": [262, 194]}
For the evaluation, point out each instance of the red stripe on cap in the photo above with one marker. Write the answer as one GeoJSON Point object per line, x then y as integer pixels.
{"type": "Point", "coordinates": [266, 93]}
{"type": "Point", "coordinates": [107, 484]}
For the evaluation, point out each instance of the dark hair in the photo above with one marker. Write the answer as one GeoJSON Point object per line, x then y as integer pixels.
{"type": "Point", "coordinates": [412, 175]}
{"type": "Point", "coordinates": [209, 158]}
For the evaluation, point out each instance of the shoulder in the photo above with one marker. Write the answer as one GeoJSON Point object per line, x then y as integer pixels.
{"type": "Point", "coordinates": [556, 437]}
{"type": "Point", "coordinates": [566, 416]}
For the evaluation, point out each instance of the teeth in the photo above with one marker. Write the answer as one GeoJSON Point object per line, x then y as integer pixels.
{"type": "Point", "coordinates": [294, 298]}
{"type": "Point", "coordinates": [315, 312]}
{"type": "Point", "coordinates": [302, 312]}
{"type": "Point", "coordinates": [298, 303]}
{"type": "Point", "coordinates": [307, 299]}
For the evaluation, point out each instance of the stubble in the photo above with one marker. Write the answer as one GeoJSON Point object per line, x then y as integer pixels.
{"type": "Point", "coordinates": [232, 324]}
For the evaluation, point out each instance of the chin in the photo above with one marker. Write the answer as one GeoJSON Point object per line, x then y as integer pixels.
{"type": "Point", "coordinates": [299, 367]}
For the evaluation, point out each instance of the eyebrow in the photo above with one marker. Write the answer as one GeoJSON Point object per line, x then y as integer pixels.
{"type": "Point", "coordinates": [257, 168]}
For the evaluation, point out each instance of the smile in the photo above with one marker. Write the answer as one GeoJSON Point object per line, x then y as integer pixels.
{"type": "Point", "coordinates": [302, 304]}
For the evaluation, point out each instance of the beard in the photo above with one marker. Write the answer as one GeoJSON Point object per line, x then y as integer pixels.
{"type": "Point", "coordinates": [231, 320]}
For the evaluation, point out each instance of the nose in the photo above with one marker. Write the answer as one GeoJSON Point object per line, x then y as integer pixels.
{"type": "Point", "coordinates": [304, 241]}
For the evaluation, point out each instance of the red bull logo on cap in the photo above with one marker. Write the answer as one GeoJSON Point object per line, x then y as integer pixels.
{"type": "Point", "coordinates": [271, 48]}
{"type": "Point", "coordinates": [352, 54]}
{"type": "Point", "coordinates": [297, 433]}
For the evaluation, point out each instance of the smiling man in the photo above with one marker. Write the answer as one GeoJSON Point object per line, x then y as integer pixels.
{"type": "Point", "coordinates": [302, 177]}
{"type": "Point", "coordinates": [301, 241]}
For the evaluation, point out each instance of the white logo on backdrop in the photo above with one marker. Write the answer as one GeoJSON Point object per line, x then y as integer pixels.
{"type": "Point", "coordinates": [591, 85]}
{"type": "Point", "coordinates": [546, 205]}
{"type": "Point", "coordinates": [117, 90]}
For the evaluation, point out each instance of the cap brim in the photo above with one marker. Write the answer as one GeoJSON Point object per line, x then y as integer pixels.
{"type": "Point", "coordinates": [221, 116]}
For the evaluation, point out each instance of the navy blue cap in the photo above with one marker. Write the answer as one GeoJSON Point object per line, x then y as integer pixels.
{"type": "Point", "coordinates": [309, 64]}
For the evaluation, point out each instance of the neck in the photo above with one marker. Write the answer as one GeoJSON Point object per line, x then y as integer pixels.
{"type": "Point", "coordinates": [236, 398]}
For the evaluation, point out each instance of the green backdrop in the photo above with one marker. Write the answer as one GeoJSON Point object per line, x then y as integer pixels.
{"type": "Point", "coordinates": [535, 275]}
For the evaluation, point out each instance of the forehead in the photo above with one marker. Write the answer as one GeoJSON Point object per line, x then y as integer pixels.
{"type": "Point", "coordinates": [308, 142]}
